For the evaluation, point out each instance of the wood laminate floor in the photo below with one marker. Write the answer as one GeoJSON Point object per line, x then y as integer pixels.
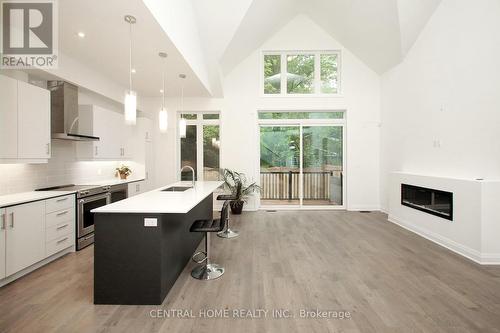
{"type": "Point", "coordinates": [388, 279]}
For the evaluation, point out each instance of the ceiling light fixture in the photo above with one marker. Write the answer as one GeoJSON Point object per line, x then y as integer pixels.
{"type": "Point", "coordinates": [163, 114]}
{"type": "Point", "coordinates": [81, 34]}
{"type": "Point", "coordinates": [182, 121]}
{"type": "Point", "coordinates": [130, 96]}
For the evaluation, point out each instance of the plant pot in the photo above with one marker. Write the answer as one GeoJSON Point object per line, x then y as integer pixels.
{"type": "Point", "coordinates": [123, 176]}
{"type": "Point", "coordinates": [236, 207]}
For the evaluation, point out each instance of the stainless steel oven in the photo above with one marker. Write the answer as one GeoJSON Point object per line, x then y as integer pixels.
{"type": "Point", "coordinates": [85, 218]}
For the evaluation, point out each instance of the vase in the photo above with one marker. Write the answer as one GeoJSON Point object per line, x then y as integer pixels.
{"type": "Point", "coordinates": [236, 207]}
{"type": "Point", "coordinates": [123, 176]}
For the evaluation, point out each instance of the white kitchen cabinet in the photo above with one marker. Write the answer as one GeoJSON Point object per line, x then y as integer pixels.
{"type": "Point", "coordinates": [116, 138]}
{"type": "Point", "coordinates": [136, 188]}
{"type": "Point", "coordinates": [33, 107]}
{"type": "Point", "coordinates": [24, 122]}
{"type": "Point", "coordinates": [3, 225]}
{"type": "Point", "coordinates": [25, 239]}
{"type": "Point", "coordinates": [8, 117]}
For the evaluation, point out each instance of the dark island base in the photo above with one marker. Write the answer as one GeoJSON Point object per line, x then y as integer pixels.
{"type": "Point", "coordinates": [138, 265]}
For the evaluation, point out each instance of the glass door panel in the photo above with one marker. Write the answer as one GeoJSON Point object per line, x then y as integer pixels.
{"type": "Point", "coordinates": [280, 165]}
{"type": "Point", "coordinates": [211, 146]}
{"type": "Point", "coordinates": [189, 152]}
{"type": "Point", "coordinates": [322, 165]}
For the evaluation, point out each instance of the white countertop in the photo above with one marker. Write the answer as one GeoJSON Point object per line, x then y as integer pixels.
{"type": "Point", "coordinates": [160, 202]}
{"type": "Point", "coordinates": [24, 197]}
{"type": "Point", "coordinates": [20, 198]}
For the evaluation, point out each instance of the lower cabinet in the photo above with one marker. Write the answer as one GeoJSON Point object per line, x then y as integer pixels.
{"type": "Point", "coordinates": [3, 225]}
{"type": "Point", "coordinates": [25, 241]}
{"type": "Point", "coordinates": [136, 188]}
{"type": "Point", "coordinates": [34, 231]}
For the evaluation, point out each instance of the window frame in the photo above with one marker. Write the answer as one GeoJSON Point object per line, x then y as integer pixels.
{"type": "Point", "coordinates": [317, 73]}
{"type": "Point", "coordinates": [199, 122]}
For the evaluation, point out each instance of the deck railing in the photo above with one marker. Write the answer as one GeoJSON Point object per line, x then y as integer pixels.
{"type": "Point", "coordinates": [284, 185]}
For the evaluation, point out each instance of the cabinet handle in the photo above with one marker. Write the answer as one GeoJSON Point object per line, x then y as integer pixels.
{"type": "Point", "coordinates": [61, 200]}
{"type": "Point", "coordinates": [48, 148]}
{"type": "Point", "coordinates": [3, 222]}
{"type": "Point", "coordinates": [62, 240]}
{"type": "Point", "coordinates": [12, 220]}
{"type": "Point", "coordinates": [62, 213]}
{"type": "Point", "coordinates": [62, 227]}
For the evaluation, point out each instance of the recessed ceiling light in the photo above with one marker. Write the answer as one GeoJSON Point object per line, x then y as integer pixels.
{"type": "Point", "coordinates": [161, 91]}
{"type": "Point", "coordinates": [133, 71]}
{"type": "Point", "coordinates": [81, 34]}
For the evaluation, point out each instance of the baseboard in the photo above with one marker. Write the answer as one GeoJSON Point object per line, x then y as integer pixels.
{"type": "Point", "coordinates": [490, 259]}
{"type": "Point", "coordinates": [465, 251]}
{"type": "Point", "coordinates": [35, 266]}
{"type": "Point", "coordinates": [356, 208]}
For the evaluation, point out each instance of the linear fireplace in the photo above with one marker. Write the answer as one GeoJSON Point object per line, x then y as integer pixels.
{"type": "Point", "coordinates": [435, 202]}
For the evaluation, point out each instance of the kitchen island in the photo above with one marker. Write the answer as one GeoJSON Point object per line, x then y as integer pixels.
{"type": "Point", "coordinates": [143, 243]}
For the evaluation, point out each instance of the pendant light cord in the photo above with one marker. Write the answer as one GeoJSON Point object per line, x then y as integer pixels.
{"type": "Point", "coordinates": [182, 96]}
{"type": "Point", "coordinates": [164, 70]}
{"type": "Point", "coordinates": [130, 60]}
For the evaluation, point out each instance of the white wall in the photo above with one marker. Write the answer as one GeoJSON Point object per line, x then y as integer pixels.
{"type": "Point", "coordinates": [440, 106]}
{"type": "Point", "coordinates": [242, 99]}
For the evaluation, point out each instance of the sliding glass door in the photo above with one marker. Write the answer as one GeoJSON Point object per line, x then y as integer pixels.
{"type": "Point", "coordinates": [280, 165]}
{"type": "Point", "coordinates": [302, 162]}
{"type": "Point", "coordinates": [322, 165]}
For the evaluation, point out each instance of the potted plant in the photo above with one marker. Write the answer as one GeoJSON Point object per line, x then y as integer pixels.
{"type": "Point", "coordinates": [236, 182]}
{"type": "Point", "coordinates": [123, 171]}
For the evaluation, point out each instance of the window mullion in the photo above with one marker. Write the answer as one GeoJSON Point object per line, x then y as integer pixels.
{"type": "Point", "coordinates": [284, 70]}
{"type": "Point", "coordinates": [317, 73]}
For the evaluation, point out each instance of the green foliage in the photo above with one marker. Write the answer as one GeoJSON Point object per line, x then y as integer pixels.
{"type": "Point", "coordinates": [272, 69]}
{"type": "Point", "coordinates": [280, 147]}
{"type": "Point", "coordinates": [124, 170]}
{"type": "Point", "coordinates": [210, 152]}
{"type": "Point", "coordinates": [236, 182]}
{"type": "Point", "coordinates": [300, 73]}
{"type": "Point", "coordinates": [300, 76]}
{"type": "Point", "coordinates": [329, 73]}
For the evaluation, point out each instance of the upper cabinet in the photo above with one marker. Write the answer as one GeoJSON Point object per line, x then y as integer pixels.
{"type": "Point", "coordinates": [24, 122]}
{"type": "Point", "coordinates": [116, 138]}
{"type": "Point", "coordinates": [33, 107]}
{"type": "Point", "coordinates": [8, 117]}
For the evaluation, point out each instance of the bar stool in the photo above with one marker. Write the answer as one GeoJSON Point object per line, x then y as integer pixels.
{"type": "Point", "coordinates": [227, 233]}
{"type": "Point", "coordinates": [209, 271]}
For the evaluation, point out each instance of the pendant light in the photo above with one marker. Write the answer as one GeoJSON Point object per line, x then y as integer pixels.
{"type": "Point", "coordinates": [182, 121]}
{"type": "Point", "coordinates": [130, 96]}
{"type": "Point", "coordinates": [163, 114]}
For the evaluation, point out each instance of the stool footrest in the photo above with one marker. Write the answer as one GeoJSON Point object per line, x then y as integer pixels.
{"type": "Point", "coordinates": [197, 254]}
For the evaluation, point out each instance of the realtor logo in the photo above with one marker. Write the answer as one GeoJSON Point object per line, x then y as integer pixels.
{"type": "Point", "coordinates": [29, 34]}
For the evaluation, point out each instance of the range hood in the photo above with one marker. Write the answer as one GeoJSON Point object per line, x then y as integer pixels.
{"type": "Point", "coordinates": [64, 112]}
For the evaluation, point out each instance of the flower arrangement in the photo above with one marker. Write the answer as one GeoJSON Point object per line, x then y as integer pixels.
{"type": "Point", "coordinates": [123, 171]}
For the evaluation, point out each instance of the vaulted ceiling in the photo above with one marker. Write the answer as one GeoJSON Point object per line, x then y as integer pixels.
{"type": "Point", "coordinates": [379, 32]}
{"type": "Point", "coordinates": [207, 39]}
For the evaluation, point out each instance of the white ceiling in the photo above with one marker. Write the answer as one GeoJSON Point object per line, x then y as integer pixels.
{"type": "Point", "coordinates": [212, 37]}
{"type": "Point", "coordinates": [105, 47]}
{"type": "Point", "coordinates": [378, 32]}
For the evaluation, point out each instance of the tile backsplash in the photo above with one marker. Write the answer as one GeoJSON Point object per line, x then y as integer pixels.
{"type": "Point", "coordinates": [62, 168]}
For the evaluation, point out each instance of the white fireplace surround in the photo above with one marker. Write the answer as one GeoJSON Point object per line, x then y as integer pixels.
{"type": "Point", "coordinates": [475, 230]}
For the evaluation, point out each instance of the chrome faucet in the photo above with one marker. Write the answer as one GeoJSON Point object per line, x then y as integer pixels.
{"type": "Point", "coordinates": [192, 171]}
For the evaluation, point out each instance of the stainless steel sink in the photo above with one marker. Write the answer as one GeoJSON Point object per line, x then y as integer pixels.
{"type": "Point", "coordinates": [177, 188]}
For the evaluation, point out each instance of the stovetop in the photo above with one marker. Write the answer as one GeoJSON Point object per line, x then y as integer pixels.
{"type": "Point", "coordinates": [81, 190]}
{"type": "Point", "coordinates": [68, 187]}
